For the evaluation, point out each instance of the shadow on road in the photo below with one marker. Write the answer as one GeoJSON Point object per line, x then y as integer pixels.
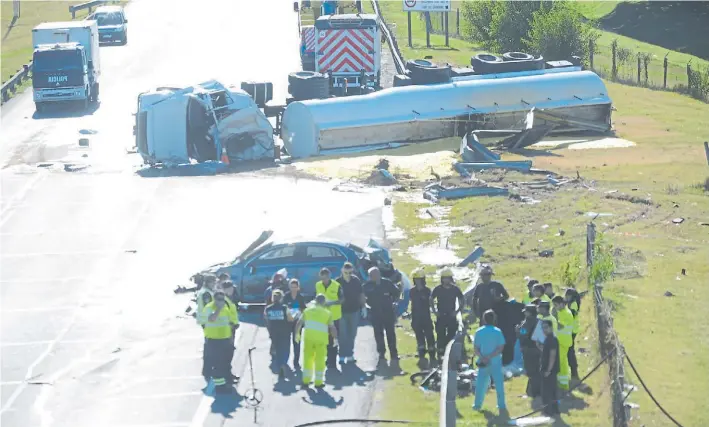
{"type": "Point", "coordinates": [205, 169]}
{"type": "Point", "coordinates": [387, 371]}
{"type": "Point", "coordinates": [322, 398]}
{"type": "Point", "coordinates": [227, 404]}
{"type": "Point", "coordinates": [350, 375]}
{"type": "Point", "coordinates": [65, 110]}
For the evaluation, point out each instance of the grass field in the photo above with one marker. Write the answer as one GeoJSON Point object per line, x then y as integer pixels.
{"type": "Point", "coordinates": [460, 51]}
{"type": "Point", "coordinates": [666, 337]}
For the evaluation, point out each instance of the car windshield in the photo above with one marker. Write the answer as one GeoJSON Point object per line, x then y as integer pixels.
{"type": "Point", "coordinates": [108, 18]}
{"type": "Point", "coordinates": [57, 60]}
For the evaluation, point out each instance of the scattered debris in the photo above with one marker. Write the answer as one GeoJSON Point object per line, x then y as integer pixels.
{"type": "Point", "coordinates": [434, 192]}
{"type": "Point", "coordinates": [74, 167]}
{"type": "Point", "coordinates": [131, 251]}
{"type": "Point", "coordinates": [704, 224]}
{"type": "Point", "coordinates": [474, 255]}
{"type": "Point", "coordinates": [611, 191]}
{"type": "Point", "coordinates": [631, 199]}
{"type": "Point", "coordinates": [560, 118]}
{"type": "Point", "coordinates": [471, 150]}
{"type": "Point", "coordinates": [561, 232]}
{"type": "Point", "coordinates": [383, 163]}
{"type": "Point", "coordinates": [545, 226]}
{"type": "Point", "coordinates": [83, 142]}
{"type": "Point", "coordinates": [548, 253]}
{"type": "Point", "coordinates": [387, 201]}
{"type": "Point", "coordinates": [381, 177]}
{"type": "Point", "coordinates": [596, 215]}
{"type": "Point", "coordinates": [684, 272]}
{"type": "Point", "coordinates": [678, 220]}
{"type": "Point", "coordinates": [428, 211]}
{"type": "Point", "coordinates": [521, 165]}
{"type": "Point", "coordinates": [88, 132]}
{"type": "Point", "coordinates": [669, 294]}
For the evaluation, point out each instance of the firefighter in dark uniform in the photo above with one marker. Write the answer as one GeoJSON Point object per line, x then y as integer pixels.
{"type": "Point", "coordinates": [382, 297]}
{"type": "Point", "coordinates": [421, 322]}
{"type": "Point", "coordinates": [443, 303]}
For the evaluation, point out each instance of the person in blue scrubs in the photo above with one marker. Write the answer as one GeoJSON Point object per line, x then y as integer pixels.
{"type": "Point", "coordinates": [489, 343]}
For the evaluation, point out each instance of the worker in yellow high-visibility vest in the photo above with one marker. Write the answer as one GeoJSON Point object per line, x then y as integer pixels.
{"type": "Point", "coordinates": [334, 299]}
{"type": "Point", "coordinates": [565, 327]}
{"type": "Point", "coordinates": [318, 326]}
{"type": "Point", "coordinates": [573, 302]}
{"type": "Point", "coordinates": [544, 313]}
{"type": "Point", "coordinates": [219, 320]}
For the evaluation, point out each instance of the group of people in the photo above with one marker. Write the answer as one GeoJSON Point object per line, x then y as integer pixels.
{"type": "Point", "coordinates": [542, 328]}
{"type": "Point", "coordinates": [545, 337]}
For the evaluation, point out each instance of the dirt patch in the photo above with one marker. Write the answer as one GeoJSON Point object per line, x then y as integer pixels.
{"type": "Point", "coordinates": [629, 264]}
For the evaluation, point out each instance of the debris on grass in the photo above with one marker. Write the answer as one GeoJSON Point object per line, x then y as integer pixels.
{"type": "Point", "coordinates": [632, 199]}
{"type": "Point", "coordinates": [547, 253]}
{"type": "Point", "coordinates": [669, 294]}
{"type": "Point", "coordinates": [434, 192]}
{"type": "Point", "coordinates": [473, 256]}
{"type": "Point", "coordinates": [520, 165]}
{"type": "Point", "coordinates": [678, 220]}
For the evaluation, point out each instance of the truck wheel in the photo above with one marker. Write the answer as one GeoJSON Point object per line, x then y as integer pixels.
{"type": "Point", "coordinates": [124, 41]}
{"type": "Point", "coordinates": [517, 56]}
{"type": "Point", "coordinates": [484, 63]}
{"type": "Point", "coordinates": [308, 85]}
{"type": "Point", "coordinates": [426, 72]}
{"type": "Point", "coordinates": [39, 107]}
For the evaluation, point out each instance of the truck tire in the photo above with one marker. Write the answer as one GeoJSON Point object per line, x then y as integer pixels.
{"type": "Point", "coordinates": [517, 56]}
{"type": "Point", "coordinates": [94, 94]}
{"type": "Point", "coordinates": [39, 107]}
{"type": "Point", "coordinates": [304, 85]}
{"type": "Point", "coordinates": [483, 63]}
{"type": "Point", "coordinates": [424, 72]}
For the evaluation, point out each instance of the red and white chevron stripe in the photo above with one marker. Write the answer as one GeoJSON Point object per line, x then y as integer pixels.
{"type": "Point", "coordinates": [308, 34]}
{"type": "Point", "coordinates": [346, 50]}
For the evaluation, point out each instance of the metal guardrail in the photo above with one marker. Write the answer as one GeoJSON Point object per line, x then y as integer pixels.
{"type": "Point", "coordinates": [11, 85]}
{"type": "Point", "coordinates": [391, 40]}
{"type": "Point", "coordinates": [88, 5]}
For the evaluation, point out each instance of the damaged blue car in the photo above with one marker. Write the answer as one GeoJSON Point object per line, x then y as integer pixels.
{"type": "Point", "coordinates": [303, 259]}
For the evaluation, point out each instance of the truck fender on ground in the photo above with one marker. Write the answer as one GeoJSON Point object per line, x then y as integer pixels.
{"type": "Point", "coordinates": [482, 61]}
{"type": "Point", "coordinates": [308, 85]}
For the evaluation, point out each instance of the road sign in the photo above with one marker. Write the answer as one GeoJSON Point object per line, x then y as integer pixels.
{"type": "Point", "coordinates": [427, 5]}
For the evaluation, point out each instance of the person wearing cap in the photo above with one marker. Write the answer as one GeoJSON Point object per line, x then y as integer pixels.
{"type": "Point", "coordinates": [530, 352]}
{"type": "Point", "coordinates": [204, 296]}
{"type": "Point", "coordinates": [573, 302]}
{"type": "Point", "coordinates": [218, 320]}
{"type": "Point", "coordinates": [446, 302]}
{"type": "Point", "coordinates": [278, 321]}
{"type": "Point", "coordinates": [529, 296]}
{"type": "Point", "coordinates": [278, 281]}
{"type": "Point", "coordinates": [317, 327]}
{"type": "Point", "coordinates": [382, 297]}
{"type": "Point", "coordinates": [335, 297]}
{"type": "Point", "coordinates": [489, 342]}
{"type": "Point", "coordinates": [295, 302]}
{"type": "Point", "coordinates": [227, 286]}
{"type": "Point", "coordinates": [565, 325]}
{"type": "Point", "coordinates": [421, 323]}
{"type": "Point", "coordinates": [351, 311]}
{"type": "Point", "coordinates": [487, 292]}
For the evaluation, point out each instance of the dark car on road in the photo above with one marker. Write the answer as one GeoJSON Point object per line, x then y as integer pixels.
{"type": "Point", "coordinates": [112, 24]}
{"type": "Point", "coordinates": [303, 259]}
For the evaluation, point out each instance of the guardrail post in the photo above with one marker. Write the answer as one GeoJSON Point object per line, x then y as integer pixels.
{"type": "Point", "coordinates": [449, 381]}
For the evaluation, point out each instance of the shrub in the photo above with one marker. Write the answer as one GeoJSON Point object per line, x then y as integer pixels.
{"type": "Point", "coordinates": [559, 32]}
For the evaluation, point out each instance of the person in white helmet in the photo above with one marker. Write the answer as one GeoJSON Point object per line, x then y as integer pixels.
{"type": "Point", "coordinates": [443, 305]}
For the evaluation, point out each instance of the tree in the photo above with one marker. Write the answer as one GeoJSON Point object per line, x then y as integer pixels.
{"type": "Point", "coordinates": [500, 26]}
{"type": "Point", "coordinates": [559, 33]}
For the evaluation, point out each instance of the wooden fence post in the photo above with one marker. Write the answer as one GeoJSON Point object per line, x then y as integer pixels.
{"type": "Point", "coordinates": [428, 28]}
{"type": "Point", "coordinates": [639, 68]}
{"type": "Point", "coordinates": [446, 26]}
{"type": "Point", "coordinates": [706, 150]}
{"type": "Point", "coordinates": [614, 66]}
{"type": "Point", "coordinates": [689, 78]}
{"type": "Point", "coordinates": [590, 53]}
{"type": "Point", "coordinates": [409, 18]}
{"type": "Point", "coordinates": [457, 22]}
{"type": "Point", "coordinates": [664, 65]}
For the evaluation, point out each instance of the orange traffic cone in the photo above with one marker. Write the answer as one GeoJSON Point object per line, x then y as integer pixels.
{"type": "Point", "coordinates": [225, 158]}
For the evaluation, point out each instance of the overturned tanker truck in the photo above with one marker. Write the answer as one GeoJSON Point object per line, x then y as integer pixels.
{"type": "Point", "coordinates": [420, 112]}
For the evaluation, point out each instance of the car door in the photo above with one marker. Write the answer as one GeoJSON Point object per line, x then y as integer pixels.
{"type": "Point", "coordinates": [261, 268]}
{"type": "Point", "coordinates": [311, 259]}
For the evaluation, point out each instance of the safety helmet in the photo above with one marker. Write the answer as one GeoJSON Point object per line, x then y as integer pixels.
{"type": "Point", "coordinates": [418, 273]}
{"type": "Point", "coordinates": [446, 272]}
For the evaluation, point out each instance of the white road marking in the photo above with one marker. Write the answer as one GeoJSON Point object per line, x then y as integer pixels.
{"type": "Point", "coordinates": [205, 405]}
{"type": "Point", "coordinates": [47, 342]}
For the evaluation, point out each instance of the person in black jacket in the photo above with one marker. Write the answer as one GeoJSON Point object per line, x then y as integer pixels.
{"type": "Point", "coordinates": [382, 297]}
{"type": "Point", "coordinates": [295, 302]}
{"type": "Point", "coordinates": [549, 367]}
{"type": "Point", "coordinates": [279, 322]}
{"type": "Point", "coordinates": [421, 321]}
{"type": "Point", "coordinates": [447, 301]}
{"type": "Point", "coordinates": [530, 352]}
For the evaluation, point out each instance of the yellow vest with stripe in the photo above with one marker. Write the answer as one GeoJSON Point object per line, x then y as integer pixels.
{"type": "Point", "coordinates": [332, 293]}
{"type": "Point", "coordinates": [220, 328]}
{"type": "Point", "coordinates": [566, 325]}
{"type": "Point", "coordinates": [316, 322]}
{"type": "Point", "coordinates": [575, 308]}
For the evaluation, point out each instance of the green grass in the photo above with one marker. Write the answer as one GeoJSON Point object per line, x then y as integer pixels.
{"type": "Point", "coordinates": [595, 9]}
{"type": "Point", "coordinates": [663, 335]}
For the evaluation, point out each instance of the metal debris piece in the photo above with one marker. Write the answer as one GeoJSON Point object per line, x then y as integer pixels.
{"type": "Point", "coordinates": [473, 256]}
{"type": "Point", "coordinates": [434, 192]}
{"type": "Point", "coordinates": [574, 122]}
{"type": "Point", "coordinates": [678, 220]}
{"type": "Point", "coordinates": [83, 142]}
{"type": "Point", "coordinates": [473, 151]}
{"type": "Point", "coordinates": [548, 253]}
{"type": "Point", "coordinates": [684, 272]}
{"type": "Point", "coordinates": [669, 294]}
{"type": "Point", "coordinates": [521, 165]}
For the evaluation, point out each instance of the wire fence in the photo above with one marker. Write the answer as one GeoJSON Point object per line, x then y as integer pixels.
{"type": "Point", "coordinates": [639, 68]}
{"type": "Point", "coordinates": [438, 22]}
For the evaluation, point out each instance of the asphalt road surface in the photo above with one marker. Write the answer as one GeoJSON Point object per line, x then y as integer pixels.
{"type": "Point", "coordinates": [91, 333]}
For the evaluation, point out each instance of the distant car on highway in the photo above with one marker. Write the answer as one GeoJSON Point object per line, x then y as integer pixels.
{"type": "Point", "coordinates": [112, 24]}
{"type": "Point", "coordinates": [303, 260]}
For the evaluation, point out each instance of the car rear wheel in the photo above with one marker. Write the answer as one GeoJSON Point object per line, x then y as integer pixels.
{"type": "Point", "coordinates": [124, 40]}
